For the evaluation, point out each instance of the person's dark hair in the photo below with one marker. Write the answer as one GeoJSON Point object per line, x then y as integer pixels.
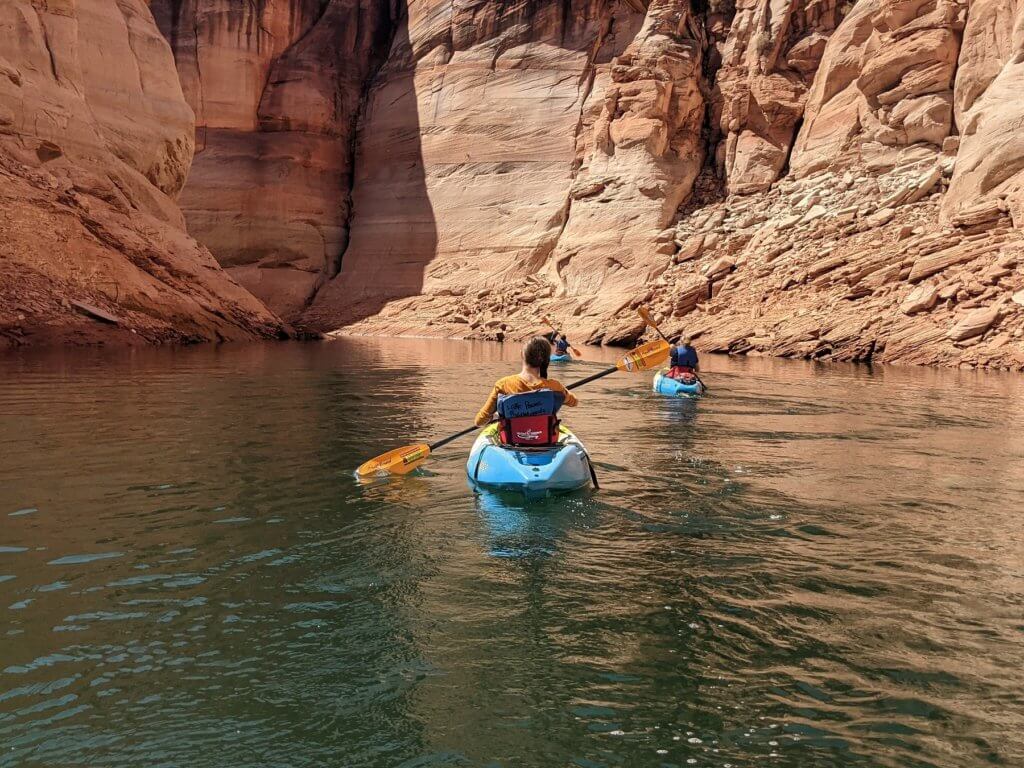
{"type": "Point", "coordinates": [563, 337]}
{"type": "Point", "coordinates": [537, 354]}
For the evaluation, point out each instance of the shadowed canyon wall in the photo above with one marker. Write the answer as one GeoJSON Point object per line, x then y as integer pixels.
{"type": "Point", "coordinates": [277, 87]}
{"type": "Point", "coordinates": [95, 142]}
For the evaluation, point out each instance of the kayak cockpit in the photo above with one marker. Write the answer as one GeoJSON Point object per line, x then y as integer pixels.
{"type": "Point", "coordinates": [538, 471]}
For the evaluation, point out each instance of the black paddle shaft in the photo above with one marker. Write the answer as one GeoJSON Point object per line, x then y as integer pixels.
{"type": "Point", "coordinates": [456, 436]}
{"type": "Point", "coordinates": [589, 379]}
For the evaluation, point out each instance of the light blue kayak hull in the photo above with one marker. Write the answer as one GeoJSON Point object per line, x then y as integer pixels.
{"type": "Point", "coordinates": [663, 385]}
{"type": "Point", "coordinates": [535, 472]}
{"type": "Point", "coordinates": [561, 358]}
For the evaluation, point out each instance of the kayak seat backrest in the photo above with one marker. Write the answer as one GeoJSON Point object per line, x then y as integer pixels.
{"type": "Point", "coordinates": [683, 374]}
{"type": "Point", "coordinates": [530, 418]}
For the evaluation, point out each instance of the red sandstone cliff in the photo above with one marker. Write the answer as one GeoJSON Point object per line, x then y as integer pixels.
{"type": "Point", "coordinates": [815, 178]}
{"type": "Point", "coordinates": [95, 141]}
{"type": "Point", "coordinates": [862, 199]}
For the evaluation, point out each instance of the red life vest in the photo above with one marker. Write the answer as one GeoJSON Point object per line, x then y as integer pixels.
{"type": "Point", "coordinates": [529, 419]}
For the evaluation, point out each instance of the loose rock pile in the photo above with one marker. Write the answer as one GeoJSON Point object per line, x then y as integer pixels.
{"type": "Point", "coordinates": [850, 267]}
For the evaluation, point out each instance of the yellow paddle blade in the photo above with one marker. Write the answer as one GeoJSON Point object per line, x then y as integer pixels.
{"type": "Point", "coordinates": [400, 461]}
{"type": "Point", "coordinates": [646, 356]}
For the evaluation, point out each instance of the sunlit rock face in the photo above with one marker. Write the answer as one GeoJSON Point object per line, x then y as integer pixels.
{"type": "Point", "coordinates": [96, 141]}
{"type": "Point", "coordinates": [885, 83]}
{"type": "Point", "coordinates": [508, 139]}
{"type": "Point", "coordinates": [989, 109]}
{"type": "Point", "coordinates": [466, 168]}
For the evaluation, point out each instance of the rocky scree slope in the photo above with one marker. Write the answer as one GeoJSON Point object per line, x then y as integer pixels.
{"type": "Point", "coordinates": [95, 142]}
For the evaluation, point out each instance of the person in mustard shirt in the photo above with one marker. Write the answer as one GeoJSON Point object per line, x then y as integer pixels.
{"type": "Point", "coordinates": [534, 376]}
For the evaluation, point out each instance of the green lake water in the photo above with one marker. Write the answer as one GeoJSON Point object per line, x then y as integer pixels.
{"type": "Point", "coordinates": [814, 566]}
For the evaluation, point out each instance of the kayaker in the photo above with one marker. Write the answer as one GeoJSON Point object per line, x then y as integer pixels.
{"type": "Point", "coordinates": [533, 377]}
{"type": "Point", "coordinates": [562, 345]}
{"type": "Point", "coordinates": [685, 362]}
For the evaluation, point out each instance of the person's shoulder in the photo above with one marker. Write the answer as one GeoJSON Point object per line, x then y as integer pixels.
{"type": "Point", "coordinates": [509, 384]}
{"type": "Point", "coordinates": [554, 384]}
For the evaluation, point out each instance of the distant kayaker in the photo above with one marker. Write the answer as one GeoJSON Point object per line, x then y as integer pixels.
{"type": "Point", "coordinates": [533, 377]}
{"type": "Point", "coordinates": [685, 362]}
{"type": "Point", "coordinates": [562, 345]}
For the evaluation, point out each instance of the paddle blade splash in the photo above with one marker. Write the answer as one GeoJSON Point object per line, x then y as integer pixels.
{"type": "Point", "coordinates": [645, 357]}
{"type": "Point", "coordinates": [400, 461]}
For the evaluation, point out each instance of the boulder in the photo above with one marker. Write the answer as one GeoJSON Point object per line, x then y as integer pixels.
{"type": "Point", "coordinates": [975, 323]}
{"type": "Point", "coordinates": [690, 249]}
{"type": "Point", "coordinates": [920, 299]}
{"type": "Point", "coordinates": [814, 213]}
{"type": "Point", "coordinates": [987, 212]}
{"type": "Point", "coordinates": [788, 222]}
{"type": "Point", "coordinates": [719, 267]}
{"type": "Point", "coordinates": [880, 218]}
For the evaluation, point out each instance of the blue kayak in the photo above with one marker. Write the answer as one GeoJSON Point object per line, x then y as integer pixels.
{"type": "Point", "coordinates": [663, 385]}
{"type": "Point", "coordinates": [533, 471]}
{"type": "Point", "coordinates": [566, 358]}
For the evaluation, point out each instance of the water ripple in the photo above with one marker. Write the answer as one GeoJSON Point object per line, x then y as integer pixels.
{"type": "Point", "coordinates": [816, 566]}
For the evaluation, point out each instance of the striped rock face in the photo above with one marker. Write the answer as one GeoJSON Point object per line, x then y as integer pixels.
{"type": "Point", "coordinates": [96, 140]}
{"type": "Point", "coordinates": [776, 177]}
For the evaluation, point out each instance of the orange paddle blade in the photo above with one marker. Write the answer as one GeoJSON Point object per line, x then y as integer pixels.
{"type": "Point", "coordinates": [646, 315]}
{"type": "Point", "coordinates": [400, 461]}
{"type": "Point", "coordinates": [645, 357]}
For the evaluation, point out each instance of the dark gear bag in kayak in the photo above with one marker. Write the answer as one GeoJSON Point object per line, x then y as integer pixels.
{"type": "Point", "coordinates": [530, 418]}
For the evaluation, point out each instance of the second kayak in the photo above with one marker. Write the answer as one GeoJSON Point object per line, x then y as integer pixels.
{"type": "Point", "coordinates": [566, 358]}
{"type": "Point", "coordinates": [533, 471]}
{"type": "Point", "coordinates": [664, 385]}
